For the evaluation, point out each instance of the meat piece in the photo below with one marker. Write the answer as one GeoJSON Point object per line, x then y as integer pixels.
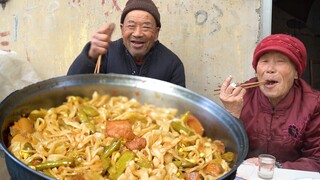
{"type": "Point", "coordinates": [78, 177]}
{"type": "Point", "coordinates": [192, 176]}
{"type": "Point", "coordinates": [220, 146]}
{"type": "Point", "coordinates": [21, 138]}
{"type": "Point", "coordinates": [214, 169]}
{"type": "Point", "coordinates": [22, 126]}
{"type": "Point", "coordinates": [194, 124]}
{"type": "Point", "coordinates": [120, 129]}
{"type": "Point", "coordinates": [137, 143]}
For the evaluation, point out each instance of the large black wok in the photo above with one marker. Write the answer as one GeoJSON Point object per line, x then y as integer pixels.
{"type": "Point", "coordinates": [218, 123]}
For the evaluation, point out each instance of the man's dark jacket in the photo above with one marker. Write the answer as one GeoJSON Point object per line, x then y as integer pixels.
{"type": "Point", "coordinates": [160, 63]}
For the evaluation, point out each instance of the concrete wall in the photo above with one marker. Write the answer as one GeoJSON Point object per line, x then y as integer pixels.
{"type": "Point", "coordinates": [214, 38]}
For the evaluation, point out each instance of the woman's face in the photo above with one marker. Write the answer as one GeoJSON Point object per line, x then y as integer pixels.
{"type": "Point", "coordinates": [139, 32]}
{"type": "Point", "coordinates": [279, 72]}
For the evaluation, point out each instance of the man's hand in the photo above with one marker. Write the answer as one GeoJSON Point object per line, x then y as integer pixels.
{"type": "Point", "coordinates": [232, 97]}
{"type": "Point", "coordinates": [100, 41]}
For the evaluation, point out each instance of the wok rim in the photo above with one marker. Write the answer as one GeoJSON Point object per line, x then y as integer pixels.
{"type": "Point", "coordinates": [145, 83]}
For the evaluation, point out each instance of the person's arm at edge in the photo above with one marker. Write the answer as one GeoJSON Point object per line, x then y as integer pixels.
{"type": "Point", "coordinates": [82, 64]}
{"type": "Point", "coordinates": [178, 76]}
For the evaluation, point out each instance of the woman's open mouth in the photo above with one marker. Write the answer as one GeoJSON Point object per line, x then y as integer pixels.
{"type": "Point", "coordinates": [271, 83]}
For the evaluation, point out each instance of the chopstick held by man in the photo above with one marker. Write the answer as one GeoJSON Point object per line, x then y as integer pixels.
{"type": "Point", "coordinates": [282, 116]}
{"type": "Point", "coordinates": [138, 52]}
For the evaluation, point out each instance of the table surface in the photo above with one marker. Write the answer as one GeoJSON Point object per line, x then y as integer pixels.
{"type": "Point", "coordinates": [250, 172]}
{"type": "Point", "coordinates": [244, 172]}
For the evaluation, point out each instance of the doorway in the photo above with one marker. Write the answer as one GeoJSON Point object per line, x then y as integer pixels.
{"type": "Point", "coordinates": [302, 20]}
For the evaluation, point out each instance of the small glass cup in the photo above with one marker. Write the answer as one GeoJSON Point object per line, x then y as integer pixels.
{"type": "Point", "coordinates": [266, 166]}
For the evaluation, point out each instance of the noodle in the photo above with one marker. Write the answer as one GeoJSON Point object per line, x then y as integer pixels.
{"type": "Point", "coordinates": [90, 139]}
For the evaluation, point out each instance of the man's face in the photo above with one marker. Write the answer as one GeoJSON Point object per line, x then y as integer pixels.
{"type": "Point", "coordinates": [139, 32]}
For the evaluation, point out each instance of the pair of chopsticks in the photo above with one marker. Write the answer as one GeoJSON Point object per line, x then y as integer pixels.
{"type": "Point", "coordinates": [97, 68]}
{"type": "Point", "coordinates": [243, 85]}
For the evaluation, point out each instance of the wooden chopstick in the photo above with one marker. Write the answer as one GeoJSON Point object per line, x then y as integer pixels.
{"type": "Point", "coordinates": [243, 85]}
{"type": "Point", "coordinates": [251, 85]}
{"type": "Point", "coordinates": [97, 68]}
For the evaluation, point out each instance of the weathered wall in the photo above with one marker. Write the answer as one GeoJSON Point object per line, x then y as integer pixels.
{"type": "Point", "coordinates": [214, 38]}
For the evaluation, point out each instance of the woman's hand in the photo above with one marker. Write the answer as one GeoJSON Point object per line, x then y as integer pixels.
{"type": "Point", "coordinates": [232, 97]}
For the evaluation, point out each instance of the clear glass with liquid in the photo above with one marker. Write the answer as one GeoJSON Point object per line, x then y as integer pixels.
{"type": "Point", "coordinates": [266, 166]}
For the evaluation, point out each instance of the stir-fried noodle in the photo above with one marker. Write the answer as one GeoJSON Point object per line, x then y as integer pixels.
{"type": "Point", "coordinates": [116, 138]}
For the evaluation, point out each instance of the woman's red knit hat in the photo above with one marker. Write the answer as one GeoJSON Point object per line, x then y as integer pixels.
{"type": "Point", "coordinates": [286, 44]}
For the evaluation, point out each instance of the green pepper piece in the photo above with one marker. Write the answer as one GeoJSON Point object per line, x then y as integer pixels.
{"type": "Point", "coordinates": [91, 127]}
{"type": "Point", "coordinates": [184, 116]}
{"type": "Point", "coordinates": [82, 116]}
{"type": "Point", "coordinates": [184, 164]}
{"type": "Point", "coordinates": [84, 119]}
{"type": "Point", "coordinates": [178, 126]}
{"type": "Point", "coordinates": [228, 156]}
{"type": "Point", "coordinates": [76, 157]}
{"type": "Point", "coordinates": [177, 163]}
{"type": "Point", "coordinates": [121, 164]}
{"type": "Point", "coordinates": [105, 164]}
{"type": "Point", "coordinates": [25, 152]}
{"type": "Point", "coordinates": [142, 163]}
{"type": "Point", "coordinates": [89, 110]}
{"type": "Point", "coordinates": [52, 164]}
{"type": "Point", "coordinates": [187, 164]}
{"type": "Point", "coordinates": [114, 146]}
{"type": "Point", "coordinates": [27, 146]}
{"type": "Point", "coordinates": [35, 114]}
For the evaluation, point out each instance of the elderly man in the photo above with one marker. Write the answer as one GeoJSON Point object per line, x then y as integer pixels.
{"type": "Point", "coordinates": [138, 52]}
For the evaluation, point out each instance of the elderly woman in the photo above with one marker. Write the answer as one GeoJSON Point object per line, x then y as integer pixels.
{"type": "Point", "coordinates": [282, 116]}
